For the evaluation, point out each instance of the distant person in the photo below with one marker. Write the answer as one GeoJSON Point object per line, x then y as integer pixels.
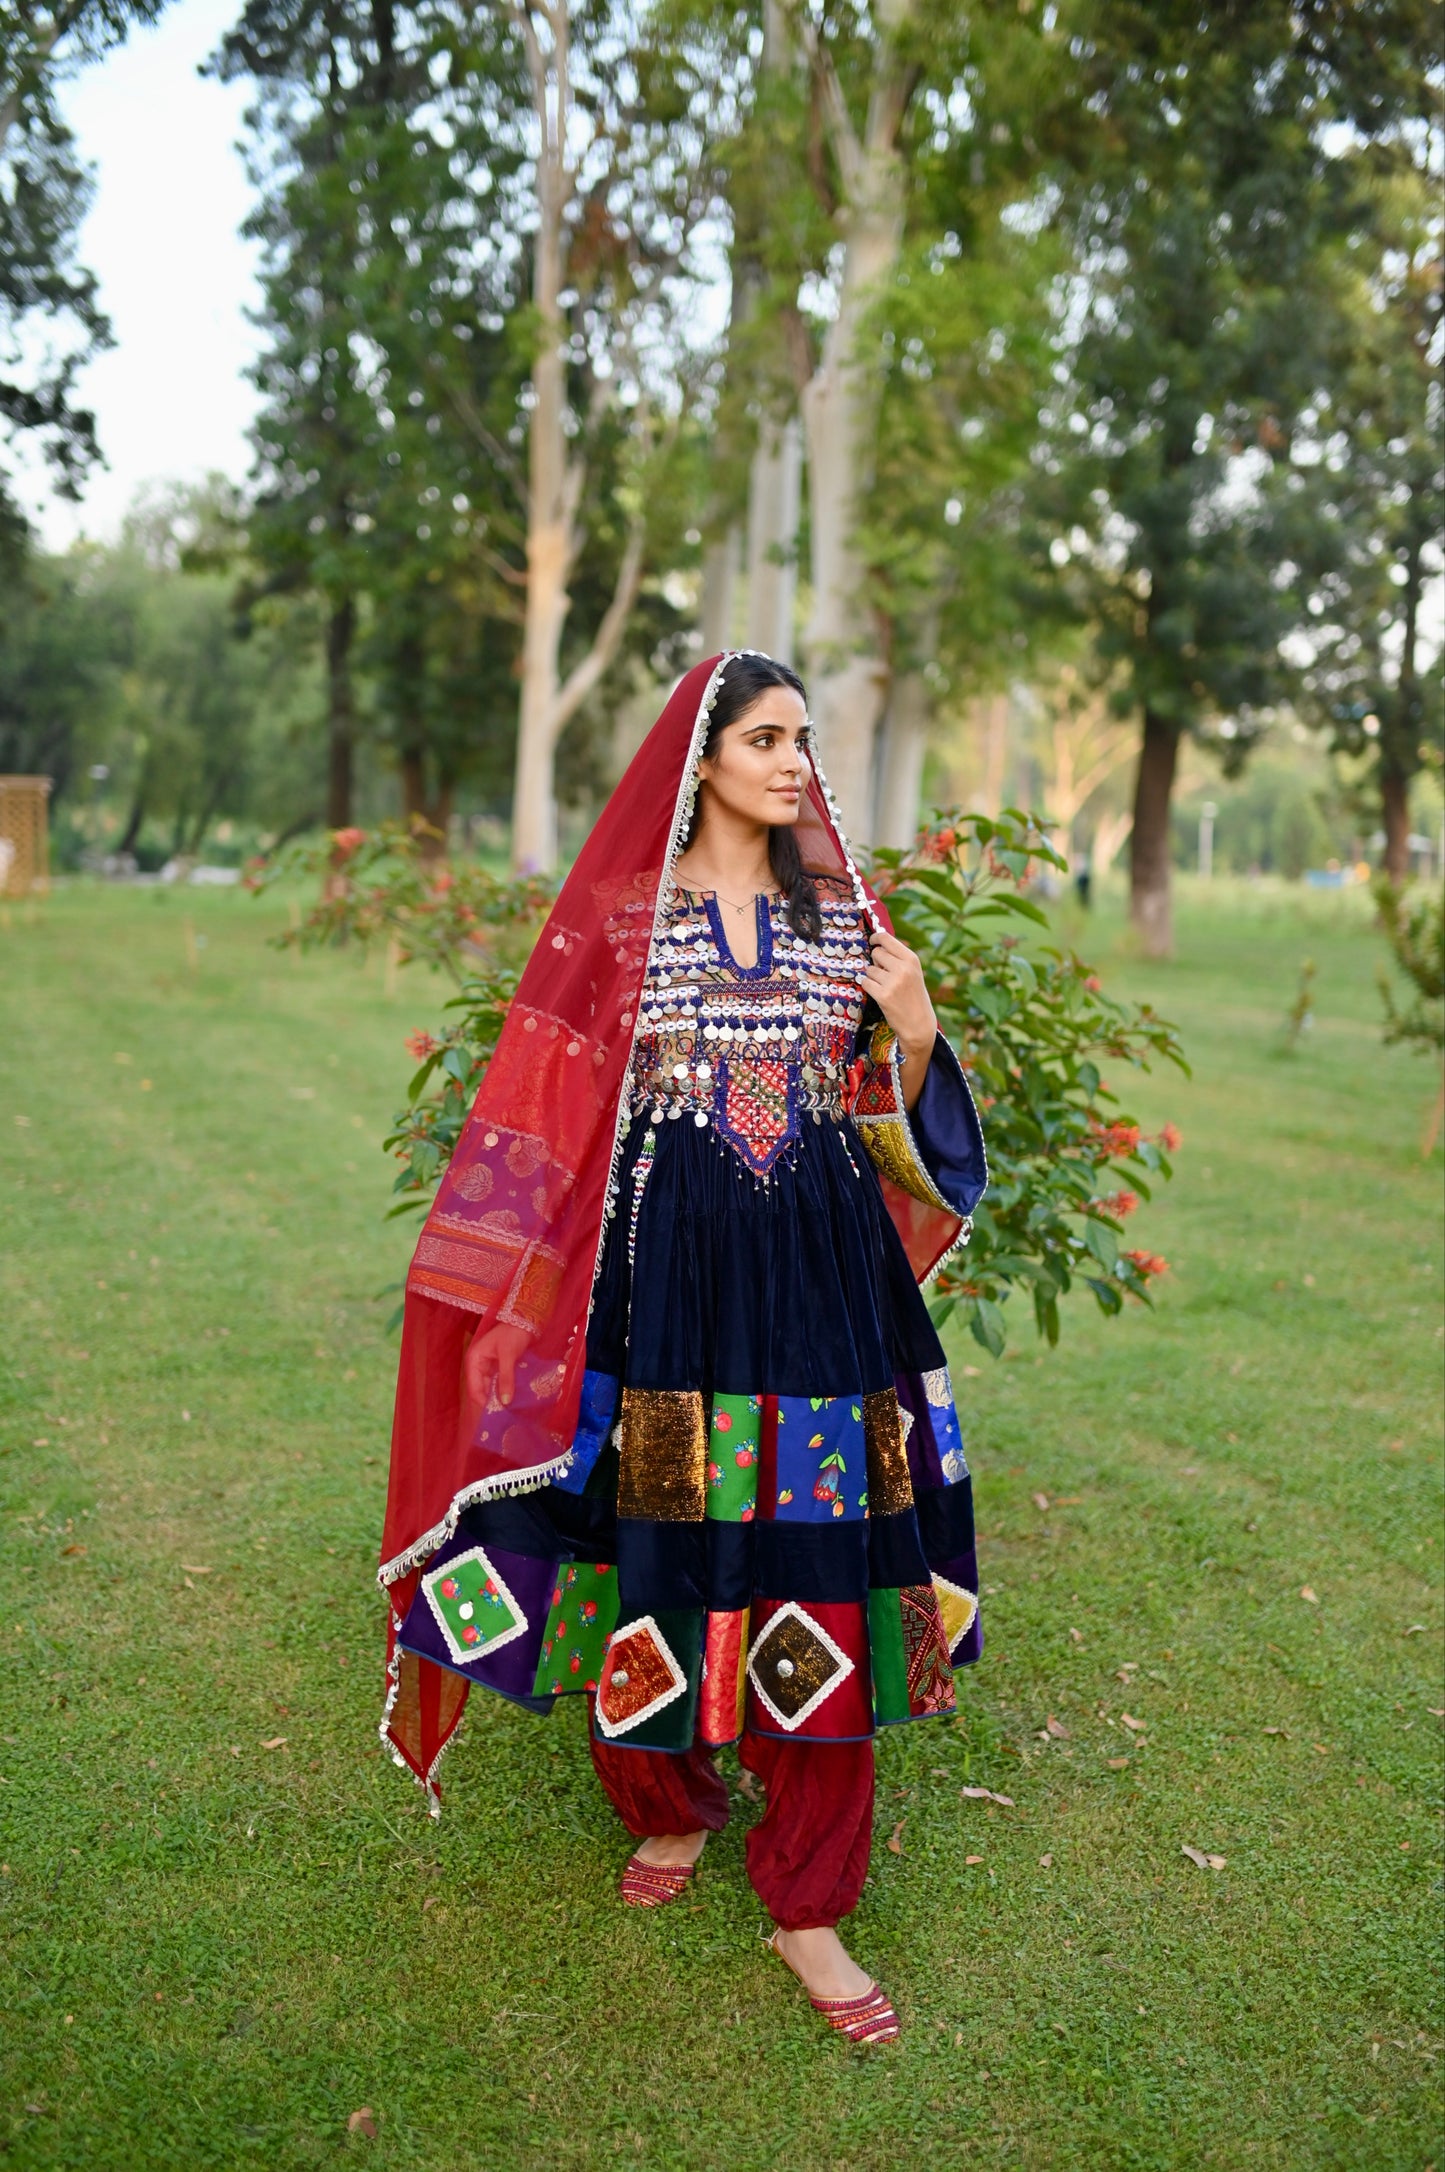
{"type": "Point", "coordinates": [1084, 883]}
{"type": "Point", "coordinates": [674, 1430]}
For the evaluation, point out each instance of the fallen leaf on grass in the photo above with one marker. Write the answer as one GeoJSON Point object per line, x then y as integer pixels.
{"type": "Point", "coordinates": [1077, 1635]}
{"type": "Point", "coordinates": [1046, 1862]}
{"type": "Point", "coordinates": [1311, 1598]}
{"type": "Point", "coordinates": [194, 1568]}
{"type": "Point", "coordinates": [1203, 1861]}
{"type": "Point", "coordinates": [72, 1550]}
{"type": "Point", "coordinates": [986, 1794]}
{"type": "Point", "coordinates": [1041, 1500]}
{"type": "Point", "coordinates": [363, 2122]}
{"type": "Point", "coordinates": [1416, 1628]}
{"type": "Point", "coordinates": [973, 1859]}
{"type": "Point", "coordinates": [429, 1902]}
{"type": "Point", "coordinates": [277, 1742]}
{"type": "Point", "coordinates": [1436, 1711]}
{"type": "Point", "coordinates": [1135, 1727]}
{"type": "Point", "coordinates": [895, 1840]}
{"type": "Point", "coordinates": [1057, 1728]}
{"type": "Point", "coordinates": [1117, 1764]}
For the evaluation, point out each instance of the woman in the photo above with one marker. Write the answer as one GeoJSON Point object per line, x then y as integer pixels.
{"type": "Point", "coordinates": [674, 1429]}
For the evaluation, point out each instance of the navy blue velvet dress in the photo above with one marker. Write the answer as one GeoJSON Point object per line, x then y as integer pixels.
{"type": "Point", "coordinates": [767, 1520]}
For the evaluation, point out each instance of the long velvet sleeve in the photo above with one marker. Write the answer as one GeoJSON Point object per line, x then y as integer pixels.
{"type": "Point", "coordinates": [947, 1132]}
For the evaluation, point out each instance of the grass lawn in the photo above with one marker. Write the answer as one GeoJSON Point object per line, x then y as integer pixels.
{"type": "Point", "coordinates": [227, 1923]}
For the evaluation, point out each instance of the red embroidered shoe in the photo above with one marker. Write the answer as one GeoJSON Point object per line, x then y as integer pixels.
{"type": "Point", "coordinates": [653, 1885]}
{"type": "Point", "coordinates": [867, 2019]}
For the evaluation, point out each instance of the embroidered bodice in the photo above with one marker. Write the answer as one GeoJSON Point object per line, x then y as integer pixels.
{"type": "Point", "coordinates": [753, 1050]}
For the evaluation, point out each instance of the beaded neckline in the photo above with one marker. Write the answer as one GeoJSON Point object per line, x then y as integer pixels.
{"type": "Point", "coordinates": [762, 921]}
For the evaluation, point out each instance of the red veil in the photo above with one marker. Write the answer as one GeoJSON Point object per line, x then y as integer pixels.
{"type": "Point", "coordinates": [515, 1231]}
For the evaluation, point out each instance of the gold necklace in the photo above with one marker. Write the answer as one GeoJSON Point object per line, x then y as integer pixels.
{"type": "Point", "coordinates": [731, 903]}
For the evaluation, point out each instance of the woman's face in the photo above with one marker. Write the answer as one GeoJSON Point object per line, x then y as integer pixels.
{"type": "Point", "coordinates": [758, 768]}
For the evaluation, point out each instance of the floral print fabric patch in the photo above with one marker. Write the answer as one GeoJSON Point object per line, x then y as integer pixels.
{"type": "Point", "coordinates": [732, 1457]}
{"type": "Point", "coordinates": [822, 1465]}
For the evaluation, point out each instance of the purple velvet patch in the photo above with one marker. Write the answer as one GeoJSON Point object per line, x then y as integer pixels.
{"type": "Point", "coordinates": [512, 1667]}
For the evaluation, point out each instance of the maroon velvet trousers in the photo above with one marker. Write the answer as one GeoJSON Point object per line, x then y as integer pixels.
{"type": "Point", "coordinates": [807, 1855]}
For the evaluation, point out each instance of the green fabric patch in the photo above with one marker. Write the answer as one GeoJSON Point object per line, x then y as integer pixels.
{"type": "Point", "coordinates": [582, 1617]}
{"type": "Point", "coordinates": [889, 1660]}
{"type": "Point", "coordinates": [473, 1605]}
{"type": "Point", "coordinates": [732, 1457]}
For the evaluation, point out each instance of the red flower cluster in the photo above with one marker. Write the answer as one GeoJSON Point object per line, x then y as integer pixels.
{"type": "Point", "coordinates": [1114, 1142]}
{"type": "Point", "coordinates": [345, 842]}
{"type": "Point", "coordinates": [1171, 1139]}
{"type": "Point", "coordinates": [421, 1045]}
{"type": "Point", "coordinates": [1118, 1204]}
{"type": "Point", "coordinates": [1149, 1264]}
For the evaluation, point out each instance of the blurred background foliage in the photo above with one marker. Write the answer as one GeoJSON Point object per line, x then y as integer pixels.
{"type": "Point", "coordinates": [1113, 331]}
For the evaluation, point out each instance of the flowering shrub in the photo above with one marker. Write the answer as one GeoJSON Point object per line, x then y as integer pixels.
{"type": "Point", "coordinates": [1035, 1030]}
{"type": "Point", "coordinates": [1032, 1023]}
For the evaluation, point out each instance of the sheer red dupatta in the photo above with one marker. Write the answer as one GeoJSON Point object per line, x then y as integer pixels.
{"type": "Point", "coordinates": [515, 1231]}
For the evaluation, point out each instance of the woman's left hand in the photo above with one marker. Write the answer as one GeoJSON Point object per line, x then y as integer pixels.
{"type": "Point", "coordinates": [895, 982]}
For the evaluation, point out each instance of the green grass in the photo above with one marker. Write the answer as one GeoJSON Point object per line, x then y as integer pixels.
{"type": "Point", "coordinates": [214, 1952]}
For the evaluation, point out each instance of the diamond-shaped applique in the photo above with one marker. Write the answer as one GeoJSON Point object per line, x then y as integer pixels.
{"type": "Point", "coordinates": [957, 1608]}
{"type": "Point", "coordinates": [472, 1605]}
{"type": "Point", "coordinates": [639, 1677]}
{"type": "Point", "coordinates": [794, 1665]}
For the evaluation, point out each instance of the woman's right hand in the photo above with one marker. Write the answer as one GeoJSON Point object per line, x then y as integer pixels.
{"type": "Point", "coordinates": [491, 1362]}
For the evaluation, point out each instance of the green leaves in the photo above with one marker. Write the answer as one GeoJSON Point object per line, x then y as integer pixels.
{"type": "Point", "coordinates": [986, 1325]}
{"type": "Point", "coordinates": [1103, 1242]}
{"type": "Point", "coordinates": [1038, 1036]}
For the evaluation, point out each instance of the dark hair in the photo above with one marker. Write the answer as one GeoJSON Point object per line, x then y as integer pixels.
{"type": "Point", "coordinates": [745, 679]}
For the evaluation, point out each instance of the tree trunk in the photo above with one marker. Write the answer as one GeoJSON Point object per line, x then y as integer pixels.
{"type": "Point", "coordinates": [774, 485]}
{"type": "Point", "coordinates": [905, 742]}
{"type": "Point", "coordinates": [848, 675]}
{"type": "Point", "coordinates": [554, 480]}
{"type": "Point", "coordinates": [137, 814]}
{"type": "Point", "coordinates": [1400, 748]}
{"type": "Point", "coordinates": [719, 582]}
{"type": "Point", "coordinates": [994, 716]}
{"type": "Point", "coordinates": [1150, 887]}
{"type": "Point", "coordinates": [848, 670]}
{"type": "Point", "coordinates": [340, 714]}
{"type": "Point", "coordinates": [1395, 809]}
{"type": "Point", "coordinates": [435, 809]}
{"type": "Point", "coordinates": [1110, 832]}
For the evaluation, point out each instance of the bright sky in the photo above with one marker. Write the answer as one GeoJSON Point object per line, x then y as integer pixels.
{"type": "Point", "coordinates": [175, 277]}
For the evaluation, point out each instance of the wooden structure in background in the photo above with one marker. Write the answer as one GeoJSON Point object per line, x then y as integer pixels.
{"type": "Point", "coordinates": [24, 835]}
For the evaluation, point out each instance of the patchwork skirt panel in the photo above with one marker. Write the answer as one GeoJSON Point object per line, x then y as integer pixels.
{"type": "Point", "coordinates": [768, 1518]}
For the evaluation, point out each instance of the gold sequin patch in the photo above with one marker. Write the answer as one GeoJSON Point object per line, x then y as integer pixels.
{"type": "Point", "coordinates": [664, 1455]}
{"type": "Point", "coordinates": [890, 1489]}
